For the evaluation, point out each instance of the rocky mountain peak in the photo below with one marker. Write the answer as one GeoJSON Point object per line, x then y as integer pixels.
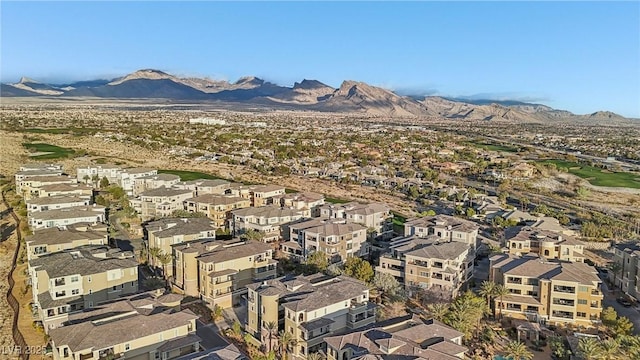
{"type": "Point", "coordinates": [309, 85]}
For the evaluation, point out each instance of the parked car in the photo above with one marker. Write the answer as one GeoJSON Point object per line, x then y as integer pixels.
{"type": "Point", "coordinates": [624, 302]}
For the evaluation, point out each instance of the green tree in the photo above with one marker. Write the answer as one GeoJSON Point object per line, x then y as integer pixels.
{"type": "Point", "coordinates": [216, 313]}
{"type": "Point", "coordinates": [358, 268]}
{"type": "Point", "coordinates": [623, 326]}
{"type": "Point", "coordinates": [558, 348]}
{"type": "Point", "coordinates": [188, 214]}
{"type": "Point", "coordinates": [317, 261]}
{"type": "Point", "coordinates": [465, 313]}
{"type": "Point", "coordinates": [236, 328]}
{"type": "Point", "coordinates": [610, 350]}
{"type": "Point", "coordinates": [104, 183]}
{"type": "Point", "coordinates": [582, 192]}
{"type": "Point", "coordinates": [315, 356]}
{"type": "Point", "coordinates": [516, 350]}
{"type": "Point", "coordinates": [287, 343]}
{"type": "Point", "coordinates": [386, 283]}
{"type": "Point", "coordinates": [438, 310]}
{"type": "Point", "coordinates": [609, 316]}
{"type": "Point", "coordinates": [153, 253]}
{"type": "Point", "coordinates": [86, 179]}
{"type": "Point", "coordinates": [470, 212]}
{"type": "Point", "coordinates": [253, 235]}
{"type": "Point", "coordinates": [165, 259]}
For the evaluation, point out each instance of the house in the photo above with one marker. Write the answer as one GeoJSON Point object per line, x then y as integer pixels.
{"type": "Point", "coordinates": [337, 238]}
{"type": "Point", "coordinates": [310, 308]}
{"type": "Point", "coordinates": [202, 187]}
{"type": "Point", "coordinates": [267, 220]}
{"type": "Point", "coordinates": [161, 202]}
{"type": "Point", "coordinates": [24, 174]}
{"type": "Point", "coordinates": [76, 279]}
{"type": "Point", "coordinates": [376, 216]}
{"type": "Point", "coordinates": [92, 214]}
{"type": "Point", "coordinates": [126, 178]}
{"type": "Point", "coordinates": [552, 292]}
{"type": "Point", "coordinates": [150, 182]}
{"type": "Point", "coordinates": [55, 202]}
{"type": "Point", "coordinates": [429, 263]}
{"type": "Point", "coordinates": [627, 256]}
{"type": "Point", "coordinates": [163, 233]}
{"type": "Point", "coordinates": [445, 227]}
{"type": "Point", "coordinates": [80, 190]}
{"type": "Point", "coordinates": [216, 207]}
{"type": "Point", "coordinates": [217, 271]}
{"type": "Point", "coordinates": [62, 238]}
{"type": "Point", "coordinates": [29, 186]}
{"type": "Point", "coordinates": [405, 338]}
{"type": "Point", "coordinates": [142, 326]}
{"type": "Point", "coordinates": [303, 201]}
{"type": "Point", "coordinates": [40, 166]}
{"type": "Point", "coordinates": [523, 240]}
{"type": "Point", "coordinates": [87, 174]}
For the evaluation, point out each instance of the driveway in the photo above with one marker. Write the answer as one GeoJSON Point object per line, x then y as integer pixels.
{"type": "Point", "coordinates": [629, 312]}
{"type": "Point", "coordinates": [210, 336]}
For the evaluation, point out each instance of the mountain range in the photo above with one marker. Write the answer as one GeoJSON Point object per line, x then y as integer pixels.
{"type": "Point", "coordinates": [312, 95]}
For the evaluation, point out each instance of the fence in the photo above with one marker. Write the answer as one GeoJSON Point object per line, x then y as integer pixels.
{"type": "Point", "coordinates": [18, 339]}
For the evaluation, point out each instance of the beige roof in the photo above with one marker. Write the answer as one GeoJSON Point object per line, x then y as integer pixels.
{"type": "Point", "coordinates": [164, 192]}
{"type": "Point", "coordinates": [439, 250]}
{"type": "Point", "coordinates": [169, 227]}
{"type": "Point", "coordinates": [51, 179]}
{"type": "Point", "coordinates": [267, 188]}
{"type": "Point", "coordinates": [267, 212]}
{"type": "Point", "coordinates": [52, 236]}
{"type": "Point", "coordinates": [415, 339]}
{"type": "Point", "coordinates": [524, 233]}
{"type": "Point", "coordinates": [233, 251]}
{"type": "Point", "coordinates": [81, 261]}
{"type": "Point", "coordinates": [85, 334]}
{"type": "Point", "coordinates": [534, 267]}
{"type": "Point", "coordinates": [51, 200]}
{"type": "Point", "coordinates": [66, 187]}
{"type": "Point", "coordinates": [73, 212]}
{"type": "Point", "coordinates": [335, 229]}
{"type": "Point", "coordinates": [456, 224]}
{"type": "Point", "coordinates": [214, 199]}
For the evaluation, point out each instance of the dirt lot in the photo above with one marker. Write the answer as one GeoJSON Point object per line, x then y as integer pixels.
{"type": "Point", "coordinates": [7, 248]}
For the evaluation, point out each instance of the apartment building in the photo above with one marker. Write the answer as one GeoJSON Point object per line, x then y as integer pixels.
{"type": "Point", "coordinates": [143, 326]}
{"type": "Point", "coordinates": [40, 166]}
{"type": "Point", "coordinates": [337, 238]}
{"type": "Point", "coordinates": [445, 227]}
{"type": "Point", "coordinates": [217, 271]}
{"type": "Point", "coordinates": [29, 186]}
{"type": "Point", "coordinates": [62, 238]}
{"type": "Point", "coordinates": [23, 174]}
{"type": "Point", "coordinates": [217, 207]}
{"type": "Point", "coordinates": [267, 220]}
{"type": "Point", "coordinates": [163, 233]}
{"type": "Point", "coordinates": [161, 202]}
{"type": "Point", "coordinates": [262, 195]}
{"type": "Point", "coordinates": [553, 292]}
{"type": "Point", "coordinates": [303, 201]}
{"type": "Point", "coordinates": [202, 187]}
{"type": "Point", "coordinates": [375, 215]}
{"type": "Point", "coordinates": [79, 190]}
{"type": "Point", "coordinates": [429, 263]}
{"type": "Point", "coordinates": [72, 280]}
{"type": "Point", "coordinates": [310, 308]}
{"type": "Point", "coordinates": [150, 182]}
{"type": "Point", "coordinates": [86, 174]}
{"type": "Point", "coordinates": [92, 214]}
{"type": "Point", "coordinates": [55, 202]}
{"type": "Point", "coordinates": [627, 256]}
{"type": "Point", "coordinates": [407, 337]}
{"type": "Point", "coordinates": [523, 240]}
{"type": "Point", "coordinates": [127, 177]}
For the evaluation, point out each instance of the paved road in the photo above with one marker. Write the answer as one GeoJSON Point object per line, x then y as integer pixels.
{"type": "Point", "coordinates": [209, 335]}
{"type": "Point", "coordinates": [630, 312]}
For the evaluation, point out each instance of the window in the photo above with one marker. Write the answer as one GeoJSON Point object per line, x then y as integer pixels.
{"type": "Point", "coordinates": [127, 347]}
{"type": "Point", "coordinates": [582, 302]}
{"type": "Point", "coordinates": [74, 279]}
{"type": "Point", "coordinates": [581, 314]}
{"type": "Point", "coordinates": [75, 291]}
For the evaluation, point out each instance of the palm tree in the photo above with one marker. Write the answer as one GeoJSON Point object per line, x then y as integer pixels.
{"type": "Point", "coordinates": [500, 291]}
{"type": "Point", "coordinates": [153, 254]}
{"type": "Point", "coordinates": [95, 178]}
{"type": "Point", "coordinates": [315, 356]}
{"type": "Point", "coordinates": [488, 289]}
{"type": "Point", "coordinates": [517, 350]}
{"type": "Point", "coordinates": [86, 179]}
{"type": "Point", "coordinates": [438, 310]}
{"type": "Point", "coordinates": [165, 259]}
{"type": "Point", "coordinates": [589, 348]}
{"type": "Point", "coordinates": [610, 350]}
{"type": "Point", "coordinates": [287, 341]}
{"type": "Point", "coordinates": [272, 330]}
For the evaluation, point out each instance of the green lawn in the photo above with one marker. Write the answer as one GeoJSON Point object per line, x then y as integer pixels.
{"type": "Point", "coordinates": [189, 175]}
{"type": "Point", "coordinates": [335, 200]}
{"type": "Point", "coordinates": [597, 176]}
{"type": "Point", "coordinates": [494, 147]}
{"type": "Point", "coordinates": [56, 152]}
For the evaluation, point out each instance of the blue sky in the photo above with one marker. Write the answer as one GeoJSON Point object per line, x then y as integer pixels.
{"type": "Point", "coordinates": [579, 56]}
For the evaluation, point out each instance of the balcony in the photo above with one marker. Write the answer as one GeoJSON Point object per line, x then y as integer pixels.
{"type": "Point", "coordinates": [357, 308]}
{"type": "Point", "coordinates": [517, 281]}
{"type": "Point", "coordinates": [562, 314]}
{"type": "Point", "coordinates": [360, 320]}
{"type": "Point", "coordinates": [59, 282]}
{"type": "Point", "coordinates": [564, 302]}
{"type": "Point", "coordinates": [564, 289]}
{"type": "Point", "coordinates": [596, 293]}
